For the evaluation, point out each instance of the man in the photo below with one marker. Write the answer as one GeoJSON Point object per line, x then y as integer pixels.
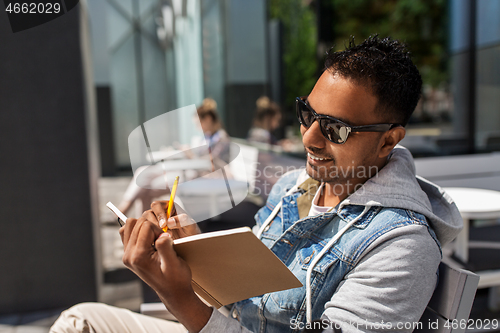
{"type": "Point", "coordinates": [360, 231]}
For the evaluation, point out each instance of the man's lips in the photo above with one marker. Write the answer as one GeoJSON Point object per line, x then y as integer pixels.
{"type": "Point", "coordinates": [317, 158]}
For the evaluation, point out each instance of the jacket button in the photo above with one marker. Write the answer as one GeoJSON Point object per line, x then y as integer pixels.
{"type": "Point", "coordinates": [267, 227]}
{"type": "Point", "coordinates": [292, 202]}
{"type": "Point", "coordinates": [235, 314]}
{"type": "Point", "coordinates": [306, 261]}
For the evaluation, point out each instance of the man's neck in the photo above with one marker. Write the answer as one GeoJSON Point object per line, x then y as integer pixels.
{"type": "Point", "coordinates": [334, 193]}
{"type": "Point", "coordinates": [330, 198]}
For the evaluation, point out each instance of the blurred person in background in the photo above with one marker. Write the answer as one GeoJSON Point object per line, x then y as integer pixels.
{"type": "Point", "coordinates": [267, 119]}
{"type": "Point", "coordinates": [216, 139]}
{"type": "Point", "coordinates": [215, 136]}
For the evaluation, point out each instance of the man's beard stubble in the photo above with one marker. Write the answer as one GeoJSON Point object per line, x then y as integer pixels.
{"type": "Point", "coordinates": [334, 174]}
{"type": "Point", "coordinates": [323, 174]}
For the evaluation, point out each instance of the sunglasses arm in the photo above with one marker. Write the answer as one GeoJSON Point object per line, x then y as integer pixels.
{"type": "Point", "coordinates": [374, 128]}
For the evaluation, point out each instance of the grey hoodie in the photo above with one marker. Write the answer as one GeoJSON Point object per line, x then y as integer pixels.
{"type": "Point", "coordinates": [376, 296]}
{"type": "Point", "coordinates": [396, 186]}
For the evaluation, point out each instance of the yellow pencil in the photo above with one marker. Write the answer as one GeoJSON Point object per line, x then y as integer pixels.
{"type": "Point", "coordinates": [171, 200]}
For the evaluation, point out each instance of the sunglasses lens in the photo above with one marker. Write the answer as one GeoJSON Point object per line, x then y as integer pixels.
{"type": "Point", "coordinates": [334, 131]}
{"type": "Point", "coordinates": [304, 113]}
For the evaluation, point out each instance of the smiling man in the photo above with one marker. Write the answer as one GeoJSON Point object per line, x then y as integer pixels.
{"type": "Point", "coordinates": [357, 227]}
{"type": "Point", "coordinates": [341, 101]}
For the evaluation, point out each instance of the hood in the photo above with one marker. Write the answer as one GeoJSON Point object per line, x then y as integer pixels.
{"type": "Point", "coordinates": [396, 186]}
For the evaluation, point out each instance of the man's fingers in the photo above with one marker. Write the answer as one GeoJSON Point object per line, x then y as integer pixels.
{"type": "Point", "coordinates": [150, 216]}
{"type": "Point", "coordinates": [122, 233]}
{"type": "Point", "coordinates": [159, 209]}
{"type": "Point", "coordinates": [126, 231]}
{"type": "Point", "coordinates": [141, 244]}
{"type": "Point", "coordinates": [147, 235]}
{"type": "Point", "coordinates": [134, 234]}
{"type": "Point", "coordinates": [164, 246]}
{"type": "Point", "coordinates": [179, 221]}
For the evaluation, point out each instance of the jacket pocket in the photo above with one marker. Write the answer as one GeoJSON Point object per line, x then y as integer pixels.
{"type": "Point", "coordinates": [294, 299]}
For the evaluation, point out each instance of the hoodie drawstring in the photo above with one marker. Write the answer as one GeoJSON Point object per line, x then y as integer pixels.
{"type": "Point", "coordinates": [274, 212]}
{"type": "Point", "coordinates": [320, 254]}
{"type": "Point", "coordinates": [318, 258]}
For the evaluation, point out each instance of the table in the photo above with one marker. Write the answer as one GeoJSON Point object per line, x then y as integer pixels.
{"type": "Point", "coordinates": [207, 198]}
{"type": "Point", "coordinates": [473, 203]}
{"type": "Point", "coordinates": [152, 177]}
{"type": "Point", "coordinates": [165, 155]}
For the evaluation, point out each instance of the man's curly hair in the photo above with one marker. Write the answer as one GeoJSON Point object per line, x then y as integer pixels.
{"type": "Point", "coordinates": [384, 66]}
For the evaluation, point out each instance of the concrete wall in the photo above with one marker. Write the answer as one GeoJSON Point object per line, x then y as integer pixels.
{"type": "Point", "coordinates": [47, 167]}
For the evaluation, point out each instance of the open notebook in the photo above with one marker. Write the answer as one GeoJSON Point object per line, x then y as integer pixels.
{"type": "Point", "coordinates": [232, 265]}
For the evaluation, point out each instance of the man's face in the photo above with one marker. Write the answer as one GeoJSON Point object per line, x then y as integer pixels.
{"type": "Point", "coordinates": [356, 160]}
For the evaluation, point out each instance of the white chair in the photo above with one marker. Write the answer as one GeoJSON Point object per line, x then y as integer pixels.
{"type": "Point", "coordinates": [450, 305]}
{"type": "Point", "coordinates": [250, 157]}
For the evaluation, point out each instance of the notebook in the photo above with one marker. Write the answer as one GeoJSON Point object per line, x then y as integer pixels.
{"type": "Point", "coordinates": [232, 265]}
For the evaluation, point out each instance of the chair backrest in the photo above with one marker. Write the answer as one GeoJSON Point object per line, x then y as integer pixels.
{"type": "Point", "coordinates": [250, 157]}
{"type": "Point", "coordinates": [450, 305]}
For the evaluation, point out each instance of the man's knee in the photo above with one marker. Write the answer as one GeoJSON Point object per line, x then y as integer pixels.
{"type": "Point", "coordinates": [78, 318]}
{"type": "Point", "coordinates": [85, 310]}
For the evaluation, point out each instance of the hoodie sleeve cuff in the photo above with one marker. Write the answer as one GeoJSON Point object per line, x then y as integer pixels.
{"type": "Point", "coordinates": [220, 323]}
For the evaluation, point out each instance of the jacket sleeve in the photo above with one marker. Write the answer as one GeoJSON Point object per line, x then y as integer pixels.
{"type": "Point", "coordinates": [390, 286]}
{"type": "Point", "coordinates": [220, 323]}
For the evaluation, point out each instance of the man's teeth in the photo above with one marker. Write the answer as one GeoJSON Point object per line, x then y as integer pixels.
{"type": "Point", "coordinates": [316, 157]}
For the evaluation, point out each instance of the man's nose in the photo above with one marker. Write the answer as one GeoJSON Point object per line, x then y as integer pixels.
{"type": "Point", "coordinates": [312, 137]}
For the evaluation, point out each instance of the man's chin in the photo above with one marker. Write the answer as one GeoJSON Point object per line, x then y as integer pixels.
{"type": "Point", "coordinates": [318, 176]}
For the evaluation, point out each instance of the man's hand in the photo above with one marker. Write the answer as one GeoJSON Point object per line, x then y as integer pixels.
{"type": "Point", "coordinates": [179, 224]}
{"type": "Point", "coordinates": [149, 253]}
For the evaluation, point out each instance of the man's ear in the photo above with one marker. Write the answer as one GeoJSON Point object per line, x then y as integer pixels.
{"type": "Point", "coordinates": [390, 139]}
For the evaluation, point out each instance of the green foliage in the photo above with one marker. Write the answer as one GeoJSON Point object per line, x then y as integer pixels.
{"type": "Point", "coordinates": [422, 24]}
{"type": "Point", "coordinates": [299, 47]}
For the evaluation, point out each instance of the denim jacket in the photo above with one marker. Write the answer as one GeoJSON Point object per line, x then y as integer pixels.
{"type": "Point", "coordinates": [296, 239]}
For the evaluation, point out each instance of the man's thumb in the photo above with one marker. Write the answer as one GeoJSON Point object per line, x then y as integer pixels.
{"type": "Point", "coordinates": [164, 246]}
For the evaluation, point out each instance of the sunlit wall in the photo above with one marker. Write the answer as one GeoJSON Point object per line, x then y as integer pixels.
{"type": "Point", "coordinates": [154, 56]}
{"type": "Point", "coordinates": [484, 86]}
{"type": "Point", "coordinates": [488, 75]}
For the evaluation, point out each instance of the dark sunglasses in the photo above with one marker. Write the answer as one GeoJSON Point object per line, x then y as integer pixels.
{"type": "Point", "coordinates": [333, 129]}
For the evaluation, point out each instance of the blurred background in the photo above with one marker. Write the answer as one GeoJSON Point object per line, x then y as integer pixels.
{"type": "Point", "coordinates": [150, 56]}
{"type": "Point", "coordinates": [73, 89]}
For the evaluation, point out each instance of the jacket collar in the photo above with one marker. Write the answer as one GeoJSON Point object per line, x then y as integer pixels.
{"type": "Point", "coordinates": [304, 202]}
